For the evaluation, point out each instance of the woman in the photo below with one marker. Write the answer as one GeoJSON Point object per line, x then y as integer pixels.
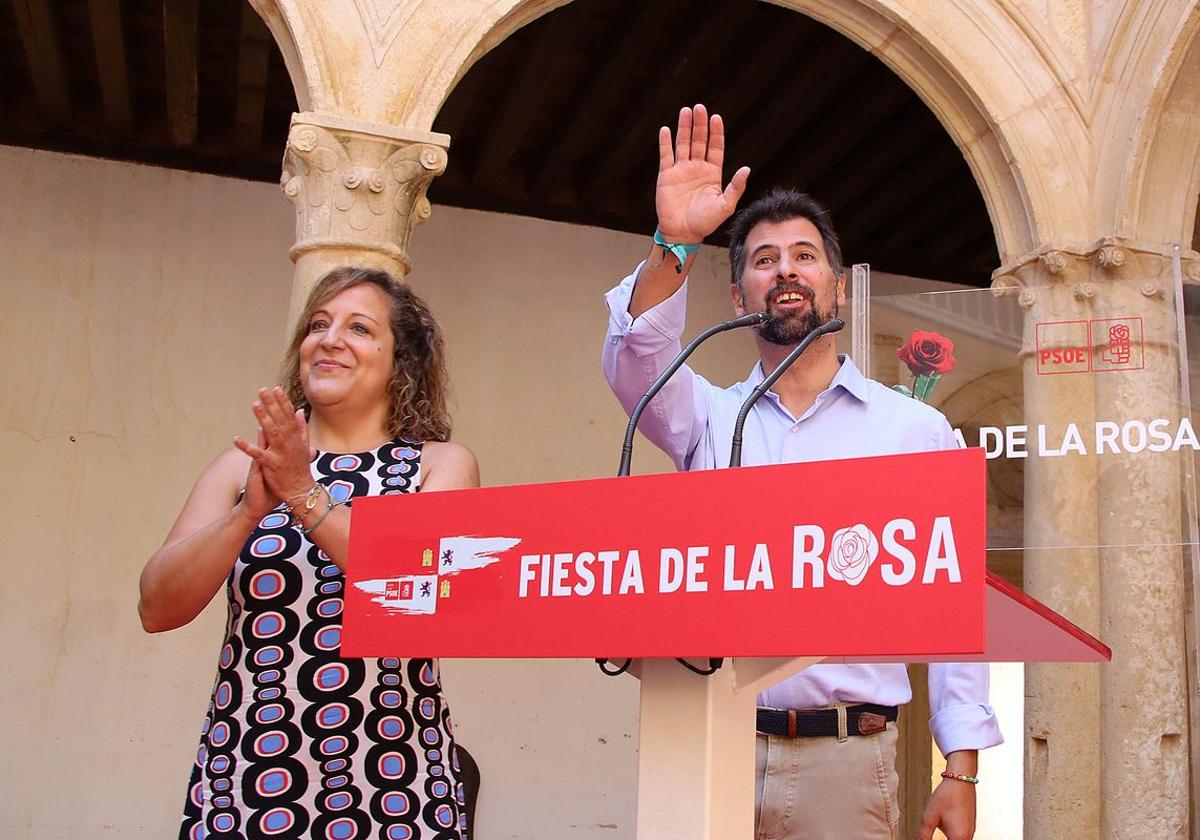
{"type": "Point", "coordinates": [298, 742]}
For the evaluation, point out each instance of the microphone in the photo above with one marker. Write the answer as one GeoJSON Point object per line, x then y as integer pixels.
{"type": "Point", "coordinates": [627, 450]}
{"type": "Point", "coordinates": [735, 451]}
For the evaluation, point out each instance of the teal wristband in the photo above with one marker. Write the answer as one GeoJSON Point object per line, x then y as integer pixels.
{"type": "Point", "coordinates": [681, 252]}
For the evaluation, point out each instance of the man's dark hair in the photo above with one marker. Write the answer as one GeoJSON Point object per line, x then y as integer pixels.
{"type": "Point", "coordinates": [779, 205]}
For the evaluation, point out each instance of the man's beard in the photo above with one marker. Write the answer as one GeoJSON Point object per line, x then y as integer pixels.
{"type": "Point", "coordinates": [789, 328]}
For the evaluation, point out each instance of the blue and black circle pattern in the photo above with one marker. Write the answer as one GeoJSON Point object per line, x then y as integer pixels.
{"type": "Point", "coordinates": [298, 742]}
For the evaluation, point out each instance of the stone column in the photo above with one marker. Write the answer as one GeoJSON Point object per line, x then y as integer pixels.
{"type": "Point", "coordinates": [1106, 749]}
{"type": "Point", "coordinates": [359, 189]}
{"type": "Point", "coordinates": [1144, 778]}
{"type": "Point", "coordinates": [1062, 712]}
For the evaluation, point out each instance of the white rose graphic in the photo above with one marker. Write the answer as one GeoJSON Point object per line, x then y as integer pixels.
{"type": "Point", "coordinates": [851, 552]}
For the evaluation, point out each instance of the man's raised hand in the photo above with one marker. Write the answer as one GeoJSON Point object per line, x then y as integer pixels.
{"type": "Point", "coordinates": [689, 198]}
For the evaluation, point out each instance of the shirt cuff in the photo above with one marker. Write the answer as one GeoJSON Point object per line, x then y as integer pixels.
{"type": "Point", "coordinates": [655, 329]}
{"type": "Point", "coordinates": [966, 726]}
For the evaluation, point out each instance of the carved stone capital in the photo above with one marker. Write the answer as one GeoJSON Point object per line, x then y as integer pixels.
{"type": "Point", "coordinates": [1048, 280]}
{"type": "Point", "coordinates": [1005, 285]}
{"type": "Point", "coordinates": [1110, 256]}
{"type": "Point", "coordinates": [1054, 262]}
{"type": "Point", "coordinates": [1106, 258]}
{"type": "Point", "coordinates": [1191, 271]}
{"type": "Point", "coordinates": [1110, 278]}
{"type": "Point", "coordinates": [358, 187]}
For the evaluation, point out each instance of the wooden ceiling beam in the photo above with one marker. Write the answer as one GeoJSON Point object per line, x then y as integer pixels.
{"type": "Point", "coordinates": [923, 185]}
{"type": "Point", "coordinates": [979, 253]}
{"type": "Point", "coordinates": [525, 95]}
{"type": "Point", "coordinates": [758, 76]}
{"type": "Point", "coordinates": [823, 76]}
{"type": "Point", "coordinates": [254, 60]}
{"type": "Point", "coordinates": [639, 143]}
{"type": "Point", "coordinates": [112, 66]}
{"type": "Point", "coordinates": [180, 37]}
{"type": "Point", "coordinates": [818, 149]}
{"type": "Point", "coordinates": [938, 219]}
{"type": "Point", "coordinates": [765, 69]}
{"type": "Point", "coordinates": [645, 35]}
{"type": "Point", "coordinates": [971, 236]}
{"type": "Point", "coordinates": [918, 264]}
{"type": "Point", "coordinates": [452, 116]}
{"type": "Point", "coordinates": [452, 119]}
{"type": "Point", "coordinates": [38, 30]}
{"type": "Point", "coordinates": [855, 187]}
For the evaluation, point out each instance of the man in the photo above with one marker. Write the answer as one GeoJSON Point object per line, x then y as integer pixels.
{"type": "Point", "coordinates": [785, 259]}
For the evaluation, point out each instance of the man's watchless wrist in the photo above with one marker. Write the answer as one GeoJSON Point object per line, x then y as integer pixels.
{"type": "Point", "coordinates": [963, 762]}
{"type": "Point", "coordinates": [679, 239]}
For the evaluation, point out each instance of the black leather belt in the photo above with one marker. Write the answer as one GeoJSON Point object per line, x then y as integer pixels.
{"type": "Point", "coordinates": [863, 719]}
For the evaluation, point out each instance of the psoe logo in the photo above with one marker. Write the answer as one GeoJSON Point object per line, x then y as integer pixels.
{"type": "Point", "coordinates": [1062, 347]}
{"type": "Point", "coordinates": [1102, 344]}
{"type": "Point", "coordinates": [1118, 343]}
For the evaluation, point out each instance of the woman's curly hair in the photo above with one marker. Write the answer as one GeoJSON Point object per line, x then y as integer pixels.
{"type": "Point", "coordinates": [417, 391]}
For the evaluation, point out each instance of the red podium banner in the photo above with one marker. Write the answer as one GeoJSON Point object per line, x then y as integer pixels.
{"type": "Point", "coordinates": [873, 556]}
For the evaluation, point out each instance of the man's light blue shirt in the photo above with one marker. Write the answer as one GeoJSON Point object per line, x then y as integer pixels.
{"type": "Point", "coordinates": [692, 421]}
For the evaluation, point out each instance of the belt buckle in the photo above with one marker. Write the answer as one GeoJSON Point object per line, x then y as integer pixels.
{"type": "Point", "coordinates": [870, 723]}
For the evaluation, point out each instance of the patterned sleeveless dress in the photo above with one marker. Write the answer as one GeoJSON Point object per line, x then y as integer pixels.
{"type": "Point", "coordinates": [299, 743]}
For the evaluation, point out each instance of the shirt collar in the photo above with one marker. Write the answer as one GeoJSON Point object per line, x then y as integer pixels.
{"type": "Point", "coordinates": [848, 377]}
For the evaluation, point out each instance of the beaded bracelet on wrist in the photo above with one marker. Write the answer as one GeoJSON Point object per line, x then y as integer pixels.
{"type": "Point", "coordinates": [308, 529]}
{"type": "Point", "coordinates": [307, 499]}
{"type": "Point", "coordinates": [298, 510]}
{"type": "Point", "coordinates": [972, 780]}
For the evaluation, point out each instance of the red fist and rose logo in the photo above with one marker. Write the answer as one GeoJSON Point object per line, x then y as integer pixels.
{"type": "Point", "coordinates": [1120, 347]}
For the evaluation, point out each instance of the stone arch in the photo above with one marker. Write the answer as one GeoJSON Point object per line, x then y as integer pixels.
{"type": "Point", "coordinates": [976, 68]}
{"type": "Point", "coordinates": [1160, 191]}
{"type": "Point", "coordinates": [290, 36]}
{"type": "Point", "coordinates": [415, 50]}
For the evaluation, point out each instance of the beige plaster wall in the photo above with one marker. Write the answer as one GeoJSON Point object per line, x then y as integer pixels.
{"type": "Point", "coordinates": [141, 307]}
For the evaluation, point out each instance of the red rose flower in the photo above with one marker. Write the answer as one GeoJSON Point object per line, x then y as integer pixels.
{"type": "Point", "coordinates": [927, 353]}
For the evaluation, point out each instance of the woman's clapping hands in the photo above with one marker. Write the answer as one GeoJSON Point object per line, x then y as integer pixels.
{"type": "Point", "coordinates": [280, 461]}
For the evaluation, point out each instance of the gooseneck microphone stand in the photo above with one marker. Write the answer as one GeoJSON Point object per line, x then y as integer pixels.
{"type": "Point", "coordinates": [735, 450]}
{"type": "Point", "coordinates": [752, 319]}
{"type": "Point", "coordinates": [627, 450]}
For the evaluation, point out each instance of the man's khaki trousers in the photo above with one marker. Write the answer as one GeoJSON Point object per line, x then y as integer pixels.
{"type": "Point", "coordinates": [827, 789]}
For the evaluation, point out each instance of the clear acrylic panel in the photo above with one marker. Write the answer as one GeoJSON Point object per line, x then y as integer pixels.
{"type": "Point", "coordinates": [846, 338]}
{"type": "Point", "coordinates": [1080, 398]}
{"type": "Point", "coordinates": [1082, 393]}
